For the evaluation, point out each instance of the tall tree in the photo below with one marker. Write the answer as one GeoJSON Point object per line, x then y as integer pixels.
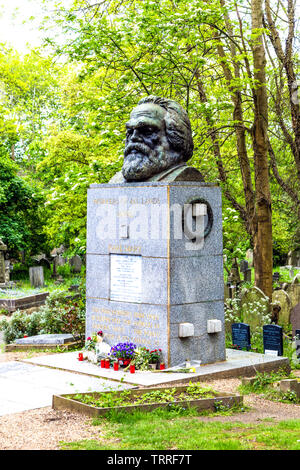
{"type": "Point", "coordinates": [211, 57]}
{"type": "Point", "coordinates": [263, 259]}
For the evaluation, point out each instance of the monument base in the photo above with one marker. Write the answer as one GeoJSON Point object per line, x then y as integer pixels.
{"type": "Point", "coordinates": [148, 285]}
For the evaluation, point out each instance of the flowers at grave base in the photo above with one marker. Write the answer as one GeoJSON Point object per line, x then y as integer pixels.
{"type": "Point", "coordinates": [124, 351]}
{"type": "Point", "coordinates": [141, 358]}
{"type": "Point", "coordinates": [90, 343]}
{"type": "Point", "coordinates": [155, 356]}
{"type": "Point", "coordinates": [99, 336]}
{"type": "Point", "coordinates": [235, 346]}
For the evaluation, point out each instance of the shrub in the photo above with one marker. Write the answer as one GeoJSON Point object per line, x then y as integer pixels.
{"type": "Point", "coordinates": [61, 313]}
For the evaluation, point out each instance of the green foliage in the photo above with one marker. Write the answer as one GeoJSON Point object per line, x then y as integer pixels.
{"type": "Point", "coordinates": [20, 220]}
{"type": "Point", "coordinates": [263, 384]}
{"type": "Point", "coordinates": [59, 315]}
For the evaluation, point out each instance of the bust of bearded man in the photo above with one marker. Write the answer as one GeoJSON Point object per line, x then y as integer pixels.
{"type": "Point", "coordinates": [158, 144]}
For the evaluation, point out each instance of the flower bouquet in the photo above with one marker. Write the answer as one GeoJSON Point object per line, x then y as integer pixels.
{"type": "Point", "coordinates": [124, 352]}
{"type": "Point", "coordinates": [155, 356]}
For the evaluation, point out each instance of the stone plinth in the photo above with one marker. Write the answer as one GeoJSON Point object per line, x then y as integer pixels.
{"type": "Point", "coordinates": [146, 276]}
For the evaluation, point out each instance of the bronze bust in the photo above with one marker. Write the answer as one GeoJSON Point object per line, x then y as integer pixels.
{"type": "Point", "coordinates": [158, 144]}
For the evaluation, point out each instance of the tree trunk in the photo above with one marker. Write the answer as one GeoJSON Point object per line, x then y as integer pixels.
{"type": "Point", "coordinates": [263, 255]}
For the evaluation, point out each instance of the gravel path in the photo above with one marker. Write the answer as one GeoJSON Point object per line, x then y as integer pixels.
{"type": "Point", "coordinates": [44, 428]}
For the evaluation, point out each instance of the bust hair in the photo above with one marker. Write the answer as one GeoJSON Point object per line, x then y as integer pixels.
{"type": "Point", "coordinates": [178, 126]}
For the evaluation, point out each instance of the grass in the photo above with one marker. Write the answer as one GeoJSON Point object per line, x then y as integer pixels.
{"type": "Point", "coordinates": [183, 430]}
{"type": "Point", "coordinates": [264, 385]}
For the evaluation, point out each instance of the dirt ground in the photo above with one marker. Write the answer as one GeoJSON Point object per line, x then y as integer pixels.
{"type": "Point", "coordinates": [44, 428]}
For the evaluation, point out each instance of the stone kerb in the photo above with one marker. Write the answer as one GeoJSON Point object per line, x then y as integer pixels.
{"type": "Point", "coordinates": [282, 298]}
{"type": "Point", "coordinates": [254, 307]}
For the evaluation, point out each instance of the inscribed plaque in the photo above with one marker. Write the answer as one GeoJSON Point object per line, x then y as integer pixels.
{"type": "Point", "coordinates": [126, 278]}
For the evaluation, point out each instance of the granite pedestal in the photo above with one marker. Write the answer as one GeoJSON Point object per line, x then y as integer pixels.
{"type": "Point", "coordinates": [151, 279]}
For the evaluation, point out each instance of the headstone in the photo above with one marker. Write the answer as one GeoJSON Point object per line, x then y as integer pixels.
{"type": "Point", "coordinates": [240, 333]}
{"type": "Point", "coordinates": [248, 275]}
{"type": "Point", "coordinates": [276, 276]}
{"type": "Point", "coordinates": [254, 307]}
{"type": "Point", "coordinates": [294, 258]}
{"type": "Point", "coordinates": [273, 340]}
{"type": "Point", "coordinates": [142, 281]}
{"type": "Point", "coordinates": [3, 248]}
{"type": "Point", "coordinates": [282, 298]}
{"type": "Point", "coordinates": [7, 271]}
{"type": "Point", "coordinates": [293, 290]}
{"type": "Point", "coordinates": [75, 263]}
{"type": "Point", "coordinates": [36, 276]}
{"type": "Point", "coordinates": [249, 257]}
{"type": "Point", "coordinates": [297, 334]}
{"type": "Point", "coordinates": [58, 260]}
{"type": "Point", "coordinates": [295, 319]}
{"type": "Point", "coordinates": [234, 275]}
{"type": "Point", "coordinates": [244, 266]}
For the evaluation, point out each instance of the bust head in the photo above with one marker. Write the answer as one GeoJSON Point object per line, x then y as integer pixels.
{"type": "Point", "coordinates": [158, 137]}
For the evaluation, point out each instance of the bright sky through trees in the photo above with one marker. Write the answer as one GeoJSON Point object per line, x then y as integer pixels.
{"type": "Point", "coordinates": [19, 21]}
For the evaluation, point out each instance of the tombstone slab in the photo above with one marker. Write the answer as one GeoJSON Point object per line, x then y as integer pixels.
{"type": "Point", "coordinates": [46, 339]}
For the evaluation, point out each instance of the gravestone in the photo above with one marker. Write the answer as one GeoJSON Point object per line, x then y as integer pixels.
{"type": "Point", "coordinates": [58, 260]}
{"type": "Point", "coordinates": [141, 287]}
{"type": "Point", "coordinates": [249, 257]}
{"type": "Point", "coordinates": [36, 276]}
{"type": "Point", "coordinates": [7, 271]}
{"type": "Point", "coordinates": [254, 306]}
{"type": "Point", "coordinates": [294, 258]}
{"type": "Point", "coordinates": [3, 248]}
{"type": "Point", "coordinates": [297, 335]}
{"type": "Point", "coordinates": [280, 297]}
{"type": "Point", "coordinates": [293, 290]}
{"type": "Point", "coordinates": [273, 340]}
{"type": "Point", "coordinates": [248, 275]}
{"type": "Point", "coordinates": [276, 276]}
{"type": "Point", "coordinates": [76, 263]}
{"type": "Point", "coordinates": [295, 319]}
{"type": "Point", "coordinates": [234, 275]}
{"type": "Point", "coordinates": [240, 333]}
{"type": "Point", "coordinates": [244, 266]}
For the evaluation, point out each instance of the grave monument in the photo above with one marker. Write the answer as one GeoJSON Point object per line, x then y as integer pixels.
{"type": "Point", "coordinates": [154, 261]}
{"type": "Point", "coordinates": [3, 248]}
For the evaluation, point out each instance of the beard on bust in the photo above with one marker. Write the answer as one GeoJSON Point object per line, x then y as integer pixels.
{"type": "Point", "coordinates": [141, 162]}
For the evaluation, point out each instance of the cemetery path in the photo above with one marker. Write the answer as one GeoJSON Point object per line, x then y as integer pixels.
{"type": "Point", "coordinates": [260, 409]}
